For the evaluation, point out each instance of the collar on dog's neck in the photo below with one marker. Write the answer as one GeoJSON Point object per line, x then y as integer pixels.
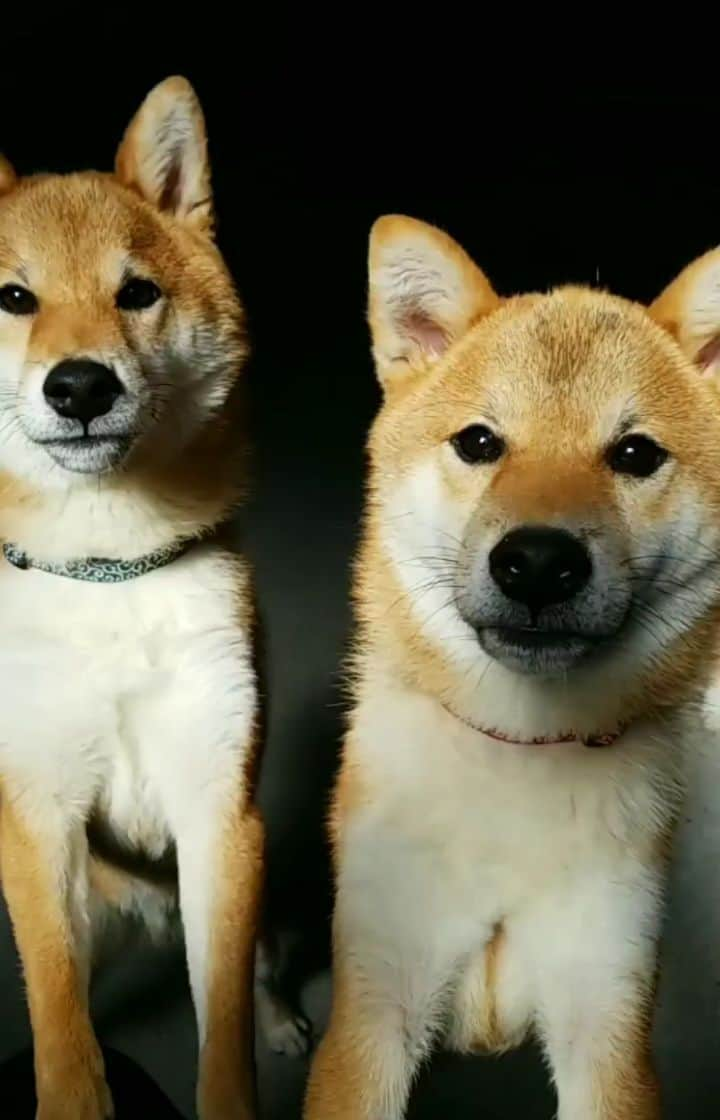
{"type": "Point", "coordinates": [97, 569]}
{"type": "Point", "coordinates": [605, 740]}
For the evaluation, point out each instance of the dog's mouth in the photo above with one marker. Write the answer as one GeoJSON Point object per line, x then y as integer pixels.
{"type": "Point", "coordinates": [87, 453]}
{"type": "Point", "coordinates": [538, 649]}
{"type": "Point", "coordinates": [537, 637]}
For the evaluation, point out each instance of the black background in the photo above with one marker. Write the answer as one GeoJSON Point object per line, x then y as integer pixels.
{"type": "Point", "coordinates": [315, 130]}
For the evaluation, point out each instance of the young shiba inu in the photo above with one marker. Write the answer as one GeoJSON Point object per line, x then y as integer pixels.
{"type": "Point", "coordinates": [128, 715]}
{"type": "Point", "coordinates": [538, 596]}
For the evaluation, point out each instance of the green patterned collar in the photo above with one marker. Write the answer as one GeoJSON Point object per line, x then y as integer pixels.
{"type": "Point", "coordinates": [95, 569]}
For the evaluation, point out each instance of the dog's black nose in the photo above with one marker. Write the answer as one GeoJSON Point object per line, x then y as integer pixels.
{"type": "Point", "coordinates": [81, 389]}
{"type": "Point", "coordinates": [539, 566]}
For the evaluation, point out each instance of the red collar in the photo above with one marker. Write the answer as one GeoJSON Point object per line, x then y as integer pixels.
{"type": "Point", "coordinates": [545, 740]}
{"type": "Point", "coordinates": [606, 740]}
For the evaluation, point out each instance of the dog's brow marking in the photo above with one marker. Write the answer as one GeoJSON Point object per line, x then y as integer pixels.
{"type": "Point", "coordinates": [14, 264]}
{"type": "Point", "coordinates": [628, 423]}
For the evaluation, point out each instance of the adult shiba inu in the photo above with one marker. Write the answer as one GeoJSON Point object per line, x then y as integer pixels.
{"type": "Point", "coordinates": [537, 595]}
{"type": "Point", "coordinates": [128, 719]}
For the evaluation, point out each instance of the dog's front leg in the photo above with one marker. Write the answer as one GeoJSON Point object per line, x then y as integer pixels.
{"type": "Point", "coordinates": [597, 986]}
{"type": "Point", "coordinates": [220, 855]}
{"type": "Point", "coordinates": [44, 877]}
{"type": "Point", "coordinates": [365, 1064]}
{"type": "Point", "coordinates": [398, 935]}
{"type": "Point", "coordinates": [605, 1071]}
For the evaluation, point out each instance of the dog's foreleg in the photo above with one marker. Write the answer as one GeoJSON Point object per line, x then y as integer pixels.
{"type": "Point", "coordinates": [396, 947]}
{"type": "Point", "coordinates": [596, 978]}
{"type": "Point", "coordinates": [44, 875]}
{"type": "Point", "coordinates": [220, 858]}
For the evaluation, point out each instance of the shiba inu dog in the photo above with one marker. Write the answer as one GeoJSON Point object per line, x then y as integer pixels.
{"type": "Point", "coordinates": [537, 595]}
{"type": "Point", "coordinates": [128, 713]}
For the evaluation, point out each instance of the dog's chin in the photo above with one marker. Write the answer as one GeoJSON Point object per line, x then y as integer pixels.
{"type": "Point", "coordinates": [535, 651]}
{"type": "Point", "coordinates": [88, 454]}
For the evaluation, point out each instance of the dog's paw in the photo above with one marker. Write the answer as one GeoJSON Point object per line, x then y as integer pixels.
{"type": "Point", "coordinates": [74, 1088]}
{"type": "Point", "coordinates": [285, 1030]}
{"type": "Point", "coordinates": [290, 1035]}
{"type": "Point", "coordinates": [93, 1104]}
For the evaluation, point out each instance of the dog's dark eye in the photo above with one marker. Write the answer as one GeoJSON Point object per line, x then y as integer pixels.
{"type": "Point", "coordinates": [17, 301]}
{"type": "Point", "coordinates": [478, 444]}
{"type": "Point", "coordinates": [637, 455]}
{"type": "Point", "coordinates": [137, 294]}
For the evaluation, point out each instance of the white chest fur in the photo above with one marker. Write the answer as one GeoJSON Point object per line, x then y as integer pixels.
{"type": "Point", "coordinates": [125, 698]}
{"type": "Point", "coordinates": [455, 835]}
{"type": "Point", "coordinates": [513, 804]}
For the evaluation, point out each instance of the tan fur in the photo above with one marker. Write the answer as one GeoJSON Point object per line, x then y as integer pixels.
{"type": "Point", "coordinates": [479, 998]}
{"type": "Point", "coordinates": [68, 1064]}
{"type": "Point", "coordinates": [449, 360]}
{"type": "Point", "coordinates": [398, 363]}
{"type": "Point", "coordinates": [687, 309]}
{"type": "Point", "coordinates": [627, 1088]}
{"type": "Point", "coordinates": [74, 222]}
{"type": "Point", "coordinates": [534, 477]}
{"type": "Point", "coordinates": [339, 1073]}
{"type": "Point", "coordinates": [349, 794]}
{"type": "Point", "coordinates": [337, 1070]}
{"type": "Point", "coordinates": [8, 178]}
{"type": "Point", "coordinates": [226, 1061]}
{"type": "Point", "coordinates": [67, 238]}
{"type": "Point", "coordinates": [491, 1033]}
{"type": "Point", "coordinates": [190, 201]}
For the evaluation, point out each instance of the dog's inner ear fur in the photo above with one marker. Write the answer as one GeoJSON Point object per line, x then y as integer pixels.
{"type": "Point", "coordinates": [425, 293]}
{"type": "Point", "coordinates": [689, 309]}
{"type": "Point", "coordinates": [163, 155]}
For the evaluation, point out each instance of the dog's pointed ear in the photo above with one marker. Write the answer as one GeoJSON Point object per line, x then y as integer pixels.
{"type": "Point", "coordinates": [689, 308]}
{"type": "Point", "coordinates": [163, 155]}
{"type": "Point", "coordinates": [425, 293]}
{"type": "Point", "coordinates": [8, 178]}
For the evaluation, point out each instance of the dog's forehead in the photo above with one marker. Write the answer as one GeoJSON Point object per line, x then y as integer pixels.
{"type": "Point", "coordinates": [67, 229]}
{"type": "Point", "coordinates": [565, 339]}
{"type": "Point", "coordinates": [572, 350]}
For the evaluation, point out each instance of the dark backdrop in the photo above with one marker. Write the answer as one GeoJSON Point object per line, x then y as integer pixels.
{"type": "Point", "coordinates": [544, 179]}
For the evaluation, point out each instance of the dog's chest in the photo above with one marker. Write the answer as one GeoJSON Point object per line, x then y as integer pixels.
{"type": "Point", "coordinates": [498, 822]}
{"type": "Point", "coordinates": [116, 696]}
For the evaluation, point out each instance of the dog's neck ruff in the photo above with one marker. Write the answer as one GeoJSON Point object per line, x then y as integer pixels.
{"type": "Point", "coordinates": [605, 740]}
{"type": "Point", "coordinates": [98, 569]}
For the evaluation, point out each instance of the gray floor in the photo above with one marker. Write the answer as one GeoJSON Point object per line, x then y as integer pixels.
{"type": "Point", "coordinates": [141, 1006]}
